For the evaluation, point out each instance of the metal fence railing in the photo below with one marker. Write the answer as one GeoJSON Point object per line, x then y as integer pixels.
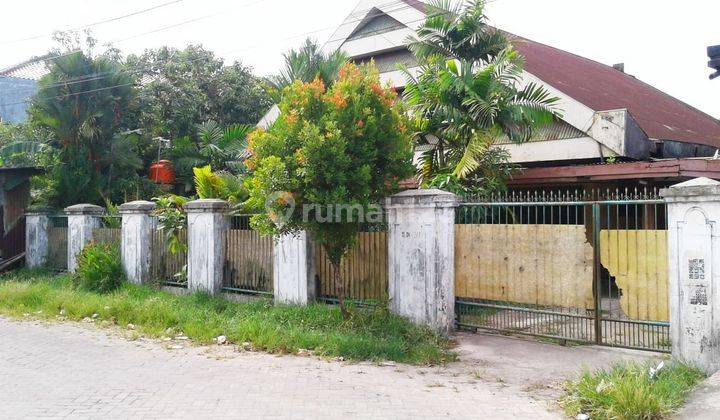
{"type": "Point", "coordinates": [248, 259]}
{"type": "Point", "coordinates": [587, 271]}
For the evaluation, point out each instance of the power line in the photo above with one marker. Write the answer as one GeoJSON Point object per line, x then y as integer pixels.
{"type": "Point", "coordinates": [99, 76]}
{"type": "Point", "coordinates": [101, 22]}
{"type": "Point", "coordinates": [58, 56]}
{"type": "Point", "coordinates": [130, 84]}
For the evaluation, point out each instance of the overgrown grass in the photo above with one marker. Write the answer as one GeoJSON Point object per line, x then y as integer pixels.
{"type": "Point", "coordinates": [368, 335]}
{"type": "Point", "coordinates": [627, 391]}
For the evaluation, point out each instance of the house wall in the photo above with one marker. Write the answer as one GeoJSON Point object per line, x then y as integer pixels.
{"type": "Point", "coordinates": [548, 151]}
{"type": "Point", "coordinates": [12, 91]}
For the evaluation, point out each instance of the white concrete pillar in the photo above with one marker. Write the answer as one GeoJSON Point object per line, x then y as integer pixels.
{"type": "Point", "coordinates": [136, 236]}
{"type": "Point", "coordinates": [207, 224]}
{"type": "Point", "coordinates": [294, 270]}
{"type": "Point", "coordinates": [37, 247]}
{"type": "Point", "coordinates": [694, 252]}
{"type": "Point", "coordinates": [82, 219]}
{"type": "Point", "coordinates": [421, 248]}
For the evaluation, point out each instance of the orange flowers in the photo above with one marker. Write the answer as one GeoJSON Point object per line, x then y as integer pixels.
{"type": "Point", "coordinates": [316, 88]}
{"type": "Point", "coordinates": [337, 99]}
{"type": "Point", "coordinates": [292, 118]}
{"type": "Point", "coordinates": [349, 72]}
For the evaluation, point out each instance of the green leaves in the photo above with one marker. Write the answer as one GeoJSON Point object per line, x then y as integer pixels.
{"type": "Point", "coordinates": [172, 221]}
{"type": "Point", "coordinates": [99, 269]}
{"type": "Point", "coordinates": [469, 93]}
{"type": "Point", "coordinates": [305, 65]}
{"type": "Point", "coordinates": [346, 145]}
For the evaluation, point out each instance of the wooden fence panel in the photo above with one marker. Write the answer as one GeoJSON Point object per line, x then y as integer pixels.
{"type": "Point", "coordinates": [364, 269]}
{"type": "Point", "coordinates": [165, 266]}
{"type": "Point", "coordinates": [248, 261]}
{"type": "Point", "coordinates": [57, 241]}
{"type": "Point", "coordinates": [107, 236]}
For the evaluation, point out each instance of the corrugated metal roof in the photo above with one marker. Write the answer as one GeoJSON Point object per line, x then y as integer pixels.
{"type": "Point", "coordinates": [558, 130]}
{"type": "Point", "coordinates": [33, 69]}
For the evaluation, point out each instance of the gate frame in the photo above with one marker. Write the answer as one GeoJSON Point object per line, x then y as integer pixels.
{"type": "Point", "coordinates": [594, 206]}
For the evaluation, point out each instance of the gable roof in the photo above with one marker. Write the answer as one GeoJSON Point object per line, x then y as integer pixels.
{"type": "Point", "coordinates": [603, 88]}
{"type": "Point", "coordinates": [417, 4]}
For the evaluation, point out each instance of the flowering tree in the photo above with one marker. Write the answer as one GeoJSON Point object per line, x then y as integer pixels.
{"type": "Point", "coordinates": [330, 158]}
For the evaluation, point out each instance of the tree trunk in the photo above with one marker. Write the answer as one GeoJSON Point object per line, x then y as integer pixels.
{"type": "Point", "coordinates": [340, 289]}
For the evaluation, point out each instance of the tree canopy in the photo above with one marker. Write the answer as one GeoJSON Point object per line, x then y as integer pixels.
{"type": "Point", "coordinates": [468, 95]}
{"type": "Point", "coordinates": [342, 147]}
{"type": "Point", "coordinates": [184, 88]}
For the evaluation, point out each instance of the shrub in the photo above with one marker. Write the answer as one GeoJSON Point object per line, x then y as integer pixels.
{"type": "Point", "coordinates": [631, 391]}
{"type": "Point", "coordinates": [99, 269]}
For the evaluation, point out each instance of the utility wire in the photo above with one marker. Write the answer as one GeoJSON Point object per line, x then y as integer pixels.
{"type": "Point", "coordinates": [99, 76]}
{"type": "Point", "coordinates": [101, 22]}
{"type": "Point", "coordinates": [130, 84]}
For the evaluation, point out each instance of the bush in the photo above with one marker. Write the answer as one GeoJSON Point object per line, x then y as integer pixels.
{"type": "Point", "coordinates": [99, 269]}
{"type": "Point", "coordinates": [631, 391]}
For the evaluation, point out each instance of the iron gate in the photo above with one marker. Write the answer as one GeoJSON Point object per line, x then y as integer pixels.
{"type": "Point", "coordinates": [567, 267]}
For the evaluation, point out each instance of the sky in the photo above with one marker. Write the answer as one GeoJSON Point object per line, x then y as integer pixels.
{"type": "Point", "coordinates": [662, 42]}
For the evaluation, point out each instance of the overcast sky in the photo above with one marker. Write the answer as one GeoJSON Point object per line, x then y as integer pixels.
{"type": "Point", "coordinates": [662, 42]}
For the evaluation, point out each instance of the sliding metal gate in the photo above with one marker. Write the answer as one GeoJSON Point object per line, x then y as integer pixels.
{"type": "Point", "coordinates": [566, 267]}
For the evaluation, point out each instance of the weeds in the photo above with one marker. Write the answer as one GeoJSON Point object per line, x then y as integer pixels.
{"type": "Point", "coordinates": [627, 391]}
{"type": "Point", "coordinates": [370, 334]}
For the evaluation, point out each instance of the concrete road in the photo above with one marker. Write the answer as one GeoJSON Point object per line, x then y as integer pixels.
{"type": "Point", "coordinates": [79, 371]}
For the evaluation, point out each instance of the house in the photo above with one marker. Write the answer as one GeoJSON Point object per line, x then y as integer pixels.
{"type": "Point", "coordinates": [14, 201]}
{"type": "Point", "coordinates": [18, 84]}
{"type": "Point", "coordinates": [615, 131]}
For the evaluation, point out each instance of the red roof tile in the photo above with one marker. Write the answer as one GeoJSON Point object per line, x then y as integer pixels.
{"type": "Point", "coordinates": [417, 4]}
{"type": "Point", "coordinates": [603, 88]}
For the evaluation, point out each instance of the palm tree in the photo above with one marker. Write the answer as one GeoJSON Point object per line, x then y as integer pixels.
{"type": "Point", "coordinates": [468, 94]}
{"type": "Point", "coordinates": [306, 64]}
{"type": "Point", "coordinates": [82, 102]}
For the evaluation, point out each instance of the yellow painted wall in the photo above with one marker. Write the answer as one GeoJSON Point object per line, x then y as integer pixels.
{"type": "Point", "coordinates": [547, 265]}
{"type": "Point", "coordinates": [638, 260]}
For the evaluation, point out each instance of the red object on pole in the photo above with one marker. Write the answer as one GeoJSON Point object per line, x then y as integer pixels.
{"type": "Point", "coordinates": [162, 172]}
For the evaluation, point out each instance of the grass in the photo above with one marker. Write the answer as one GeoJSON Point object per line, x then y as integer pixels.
{"type": "Point", "coordinates": [370, 334]}
{"type": "Point", "coordinates": [626, 391]}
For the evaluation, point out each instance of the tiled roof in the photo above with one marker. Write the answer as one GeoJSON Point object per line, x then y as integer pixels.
{"type": "Point", "coordinates": [417, 4]}
{"type": "Point", "coordinates": [604, 88]}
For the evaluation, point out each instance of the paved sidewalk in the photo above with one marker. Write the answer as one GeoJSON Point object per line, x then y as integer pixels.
{"type": "Point", "coordinates": [78, 371]}
{"type": "Point", "coordinates": [70, 370]}
{"type": "Point", "coordinates": [705, 401]}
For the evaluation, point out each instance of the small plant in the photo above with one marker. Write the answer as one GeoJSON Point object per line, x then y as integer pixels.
{"type": "Point", "coordinates": [99, 269]}
{"type": "Point", "coordinates": [171, 221]}
{"type": "Point", "coordinates": [631, 391]}
{"type": "Point", "coordinates": [112, 220]}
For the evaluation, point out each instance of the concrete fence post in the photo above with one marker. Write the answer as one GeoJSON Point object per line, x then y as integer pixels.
{"type": "Point", "coordinates": [136, 235]}
{"type": "Point", "coordinates": [294, 270]}
{"type": "Point", "coordinates": [37, 245]}
{"type": "Point", "coordinates": [82, 219]}
{"type": "Point", "coordinates": [207, 224]}
{"type": "Point", "coordinates": [693, 209]}
{"type": "Point", "coordinates": [421, 257]}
